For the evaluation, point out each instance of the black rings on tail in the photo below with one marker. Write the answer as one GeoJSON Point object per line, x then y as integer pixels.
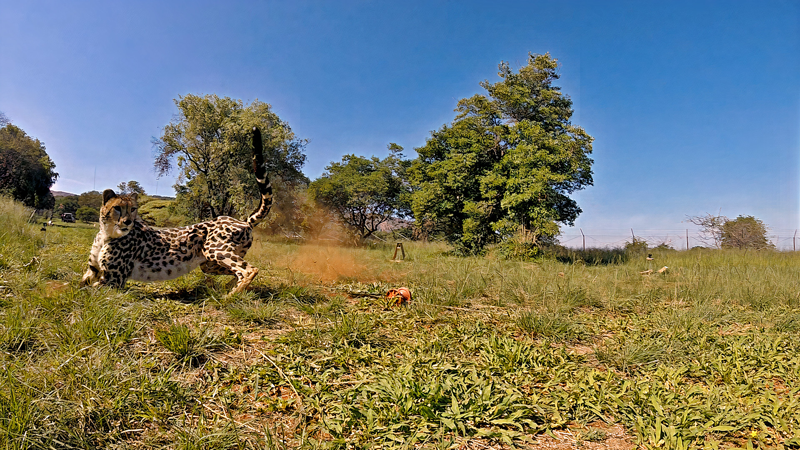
{"type": "Point", "coordinates": [264, 186]}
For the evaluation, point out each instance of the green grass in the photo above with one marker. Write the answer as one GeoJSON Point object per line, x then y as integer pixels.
{"type": "Point", "coordinates": [490, 353]}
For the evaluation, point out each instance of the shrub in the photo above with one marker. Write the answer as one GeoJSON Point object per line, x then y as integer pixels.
{"type": "Point", "coordinates": [87, 214]}
{"type": "Point", "coordinates": [591, 256]}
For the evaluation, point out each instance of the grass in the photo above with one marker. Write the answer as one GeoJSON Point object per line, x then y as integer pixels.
{"type": "Point", "coordinates": [490, 353]}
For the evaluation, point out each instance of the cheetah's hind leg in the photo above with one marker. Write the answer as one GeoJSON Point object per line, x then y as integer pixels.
{"type": "Point", "coordinates": [231, 264]}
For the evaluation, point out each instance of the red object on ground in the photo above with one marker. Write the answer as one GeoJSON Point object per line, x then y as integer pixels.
{"type": "Point", "coordinates": [401, 296]}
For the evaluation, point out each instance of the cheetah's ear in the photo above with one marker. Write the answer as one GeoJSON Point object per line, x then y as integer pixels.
{"type": "Point", "coordinates": [108, 194]}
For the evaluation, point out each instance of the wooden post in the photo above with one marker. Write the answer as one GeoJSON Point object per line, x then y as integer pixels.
{"type": "Point", "coordinates": [794, 241]}
{"type": "Point", "coordinates": [687, 239]}
{"type": "Point", "coordinates": [399, 246]}
{"type": "Point", "coordinates": [633, 237]}
{"type": "Point", "coordinates": [584, 239]}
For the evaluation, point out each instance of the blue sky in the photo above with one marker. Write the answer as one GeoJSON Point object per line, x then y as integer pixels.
{"type": "Point", "coordinates": [694, 106]}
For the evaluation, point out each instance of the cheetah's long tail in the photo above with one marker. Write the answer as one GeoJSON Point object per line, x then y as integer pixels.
{"type": "Point", "coordinates": [264, 186]}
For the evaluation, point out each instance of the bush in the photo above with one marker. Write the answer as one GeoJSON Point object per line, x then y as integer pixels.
{"type": "Point", "coordinates": [87, 214]}
{"type": "Point", "coordinates": [160, 213]}
{"type": "Point", "coordinates": [636, 247]}
{"type": "Point", "coordinates": [591, 256]}
{"type": "Point", "coordinates": [745, 232]}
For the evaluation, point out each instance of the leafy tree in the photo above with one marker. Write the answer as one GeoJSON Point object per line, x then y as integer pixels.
{"type": "Point", "coordinates": [505, 166]}
{"type": "Point", "coordinates": [745, 232]}
{"type": "Point", "coordinates": [87, 214]}
{"type": "Point", "coordinates": [68, 204]}
{"type": "Point", "coordinates": [26, 171]}
{"type": "Point", "coordinates": [209, 141]}
{"type": "Point", "coordinates": [130, 187]}
{"type": "Point", "coordinates": [4, 120]}
{"type": "Point", "coordinates": [365, 192]}
{"type": "Point", "coordinates": [92, 199]}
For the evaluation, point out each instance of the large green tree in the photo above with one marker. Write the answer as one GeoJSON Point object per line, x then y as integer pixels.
{"type": "Point", "coordinates": [26, 171]}
{"type": "Point", "coordinates": [365, 192]}
{"type": "Point", "coordinates": [209, 141]}
{"type": "Point", "coordinates": [506, 165]}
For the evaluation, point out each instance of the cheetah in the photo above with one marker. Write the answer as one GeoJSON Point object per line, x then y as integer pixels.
{"type": "Point", "coordinates": [126, 248]}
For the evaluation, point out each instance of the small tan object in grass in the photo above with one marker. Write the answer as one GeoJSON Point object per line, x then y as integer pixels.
{"type": "Point", "coordinates": [663, 269]}
{"type": "Point", "coordinates": [646, 272]}
{"type": "Point", "coordinates": [401, 296]}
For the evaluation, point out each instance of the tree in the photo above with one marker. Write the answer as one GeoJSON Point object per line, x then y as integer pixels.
{"type": "Point", "coordinates": [87, 214]}
{"type": "Point", "coordinates": [92, 199]}
{"type": "Point", "coordinates": [745, 232]}
{"type": "Point", "coordinates": [68, 204]}
{"type": "Point", "coordinates": [711, 228]}
{"type": "Point", "coordinates": [209, 141]}
{"type": "Point", "coordinates": [365, 192]}
{"type": "Point", "coordinates": [26, 171]}
{"type": "Point", "coordinates": [130, 187]}
{"type": "Point", "coordinates": [505, 166]}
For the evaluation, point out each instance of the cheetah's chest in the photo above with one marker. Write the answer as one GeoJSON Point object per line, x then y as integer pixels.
{"type": "Point", "coordinates": [168, 254]}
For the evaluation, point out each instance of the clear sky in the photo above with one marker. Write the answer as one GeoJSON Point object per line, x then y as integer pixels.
{"type": "Point", "coordinates": [694, 106]}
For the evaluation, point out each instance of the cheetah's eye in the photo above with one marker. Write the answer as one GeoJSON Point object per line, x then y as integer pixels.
{"type": "Point", "coordinates": [118, 209]}
{"type": "Point", "coordinates": [133, 210]}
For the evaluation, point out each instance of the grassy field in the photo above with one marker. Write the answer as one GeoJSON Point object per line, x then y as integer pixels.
{"type": "Point", "coordinates": [489, 354]}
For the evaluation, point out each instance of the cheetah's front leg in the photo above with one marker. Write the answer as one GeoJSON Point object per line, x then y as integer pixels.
{"type": "Point", "coordinates": [91, 276]}
{"type": "Point", "coordinates": [113, 269]}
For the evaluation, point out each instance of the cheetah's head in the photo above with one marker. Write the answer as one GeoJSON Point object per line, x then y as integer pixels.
{"type": "Point", "coordinates": [118, 213]}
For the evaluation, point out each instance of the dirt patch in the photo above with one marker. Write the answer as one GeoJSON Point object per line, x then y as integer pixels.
{"type": "Point", "coordinates": [595, 436]}
{"type": "Point", "coordinates": [328, 264]}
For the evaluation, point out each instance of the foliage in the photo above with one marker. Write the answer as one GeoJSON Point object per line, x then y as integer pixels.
{"type": "Point", "coordinates": [365, 192]}
{"type": "Point", "coordinates": [130, 187]}
{"type": "Point", "coordinates": [67, 204]}
{"type": "Point", "coordinates": [160, 212]}
{"type": "Point", "coordinates": [19, 239]}
{"type": "Point", "coordinates": [710, 228]}
{"type": "Point", "coordinates": [92, 199]}
{"type": "Point", "coordinates": [26, 171]}
{"type": "Point", "coordinates": [507, 162]}
{"type": "Point", "coordinates": [636, 247]}
{"type": "Point", "coordinates": [745, 232]}
{"type": "Point", "coordinates": [87, 214]}
{"type": "Point", "coordinates": [209, 141]}
{"type": "Point", "coordinates": [591, 255]}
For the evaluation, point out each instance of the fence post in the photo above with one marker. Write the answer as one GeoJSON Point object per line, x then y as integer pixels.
{"type": "Point", "coordinates": [633, 237]}
{"type": "Point", "coordinates": [794, 241]}
{"type": "Point", "coordinates": [687, 239]}
{"type": "Point", "coordinates": [584, 239]}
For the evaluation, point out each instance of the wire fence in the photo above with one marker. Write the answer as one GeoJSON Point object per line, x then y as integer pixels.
{"type": "Point", "coordinates": [786, 240]}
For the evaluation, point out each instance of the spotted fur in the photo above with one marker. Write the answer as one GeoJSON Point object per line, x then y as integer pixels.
{"type": "Point", "coordinates": [126, 248]}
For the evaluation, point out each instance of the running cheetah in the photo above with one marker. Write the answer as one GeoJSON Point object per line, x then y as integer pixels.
{"type": "Point", "coordinates": [126, 248]}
